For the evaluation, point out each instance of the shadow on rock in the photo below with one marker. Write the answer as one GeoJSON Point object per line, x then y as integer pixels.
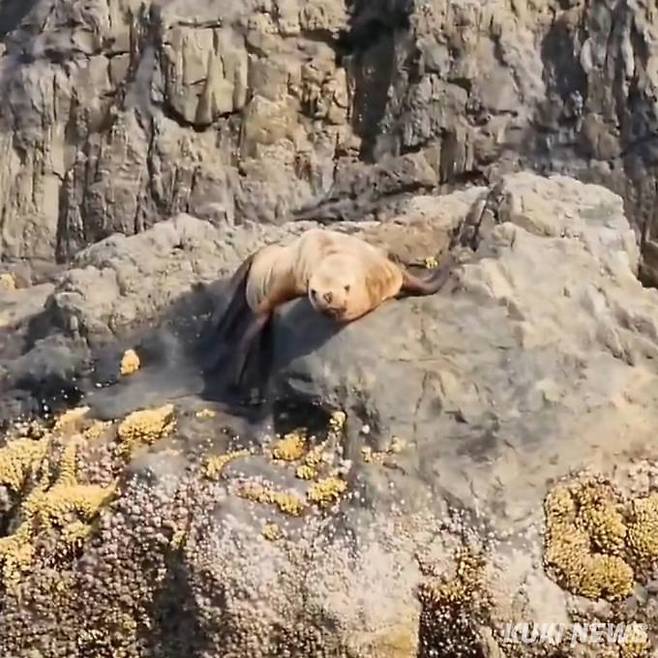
{"type": "Point", "coordinates": [175, 354]}
{"type": "Point", "coordinates": [51, 370]}
{"type": "Point", "coordinates": [295, 331]}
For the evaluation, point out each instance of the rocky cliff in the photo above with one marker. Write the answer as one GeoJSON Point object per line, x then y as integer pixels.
{"type": "Point", "coordinates": [118, 114]}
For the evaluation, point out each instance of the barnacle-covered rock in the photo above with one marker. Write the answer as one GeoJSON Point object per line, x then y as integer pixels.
{"type": "Point", "coordinates": [540, 359]}
{"type": "Point", "coordinates": [453, 604]}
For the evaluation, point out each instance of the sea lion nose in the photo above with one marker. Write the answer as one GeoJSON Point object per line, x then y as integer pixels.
{"type": "Point", "coordinates": [328, 297]}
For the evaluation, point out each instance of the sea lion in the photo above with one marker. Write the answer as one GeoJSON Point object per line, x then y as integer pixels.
{"type": "Point", "coordinates": [343, 277]}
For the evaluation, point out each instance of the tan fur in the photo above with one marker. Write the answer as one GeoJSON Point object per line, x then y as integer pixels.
{"type": "Point", "coordinates": [343, 276]}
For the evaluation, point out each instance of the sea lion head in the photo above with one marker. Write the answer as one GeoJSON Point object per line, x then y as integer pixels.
{"type": "Point", "coordinates": [331, 287]}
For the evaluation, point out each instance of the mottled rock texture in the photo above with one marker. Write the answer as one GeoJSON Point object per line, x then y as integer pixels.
{"type": "Point", "coordinates": [450, 464]}
{"type": "Point", "coordinates": [117, 114]}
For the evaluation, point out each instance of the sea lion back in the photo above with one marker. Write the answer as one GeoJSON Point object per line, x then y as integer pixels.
{"type": "Point", "coordinates": [271, 266]}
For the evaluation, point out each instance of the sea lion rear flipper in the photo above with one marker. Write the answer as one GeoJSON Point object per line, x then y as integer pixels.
{"type": "Point", "coordinates": [225, 319]}
{"type": "Point", "coordinates": [412, 284]}
{"type": "Point", "coordinates": [235, 294]}
{"type": "Point", "coordinates": [245, 348]}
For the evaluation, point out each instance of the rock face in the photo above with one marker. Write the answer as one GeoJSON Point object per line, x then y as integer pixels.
{"type": "Point", "coordinates": [118, 114]}
{"type": "Point", "coordinates": [443, 467]}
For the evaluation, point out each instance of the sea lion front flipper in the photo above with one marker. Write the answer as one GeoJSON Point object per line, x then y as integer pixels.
{"type": "Point", "coordinates": [412, 284]}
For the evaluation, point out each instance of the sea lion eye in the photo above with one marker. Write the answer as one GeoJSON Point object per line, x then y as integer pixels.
{"type": "Point", "coordinates": [347, 288]}
{"type": "Point", "coordinates": [314, 293]}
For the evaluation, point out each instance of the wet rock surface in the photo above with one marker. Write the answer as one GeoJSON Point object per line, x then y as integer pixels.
{"type": "Point", "coordinates": [413, 482]}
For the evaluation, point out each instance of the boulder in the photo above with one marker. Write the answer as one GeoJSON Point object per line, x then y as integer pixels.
{"type": "Point", "coordinates": [414, 483]}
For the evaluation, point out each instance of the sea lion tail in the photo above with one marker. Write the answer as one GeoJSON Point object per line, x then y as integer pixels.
{"type": "Point", "coordinates": [433, 283]}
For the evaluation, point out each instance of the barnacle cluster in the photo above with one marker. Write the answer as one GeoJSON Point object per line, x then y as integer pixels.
{"type": "Point", "coordinates": [205, 413]}
{"type": "Point", "coordinates": [383, 457]}
{"type": "Point", "coordinates": [596, 541]}
{"type": "Point", "coordinates": [337, 421]}
{"type": "Point", "coordinates": [453, 604]}
{"type": "Point", "coordinates": [458, 590]}
{"type": "Point", "coordinates": [636, 642]}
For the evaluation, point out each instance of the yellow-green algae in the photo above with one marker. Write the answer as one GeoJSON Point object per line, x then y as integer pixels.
{"type": "Point", "coordinates": [19, 459]}
{"type": "Point", "coordinates": [326, 491]}
{"type": "Point", "coordinates": [596, 542]}
{"type": "Point", "coordinates": [642, 537]}
{"type": "Point", "coordinates": [145, 427]}
{"type": "Point", "coordinates": [272, 532]}
{"type": "Point", "coordinates": [130, 363]}
{"type": "Point", "coordinates": [287, 503]}
{"type": "Point", "coordinates": [58, 501]}
{"type": "Point", "coordinates": [215, 464]}
{"type": "Point", "coordinates": [41, 473]}
{"type": "Point", "coordinates": [291, 447]}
